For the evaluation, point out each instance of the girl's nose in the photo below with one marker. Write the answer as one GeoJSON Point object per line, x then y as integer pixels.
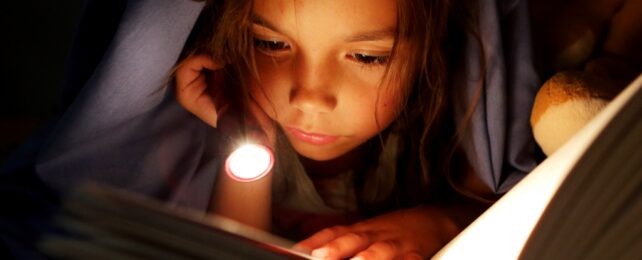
{"type": "Point", "coordinates": [312, 100]}
{"type": "Point", "coordinates": [313, 90]}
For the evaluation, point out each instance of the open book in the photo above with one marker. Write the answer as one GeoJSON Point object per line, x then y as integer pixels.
{"type": "Point", "coordinates": [583, 202]}
{"type": "Point", "coordinates": [99, 222]}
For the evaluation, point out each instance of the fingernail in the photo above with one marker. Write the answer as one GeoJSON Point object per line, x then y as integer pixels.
{"type": "Point", "coordinates": [300, 248]}
{"type": "Point", "coordinates": [321, 252]}
{"type": "Point", "coordinates": [357, 258]}
{"type": "Point", "coordinates": [215, 120]}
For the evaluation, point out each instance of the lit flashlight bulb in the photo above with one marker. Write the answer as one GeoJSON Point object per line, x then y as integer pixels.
{"type": "Point", "coordinates": [249, 162]}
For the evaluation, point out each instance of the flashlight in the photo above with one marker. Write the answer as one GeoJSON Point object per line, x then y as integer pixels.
{"type": "Point", "coordinates": [249, 162]}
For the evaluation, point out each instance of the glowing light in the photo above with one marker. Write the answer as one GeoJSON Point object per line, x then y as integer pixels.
{"type": "Point", "coordinates": [249, 162]}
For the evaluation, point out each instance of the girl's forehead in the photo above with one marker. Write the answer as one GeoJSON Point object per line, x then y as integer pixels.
{"type": "Point", "coordinates": [326, 17]}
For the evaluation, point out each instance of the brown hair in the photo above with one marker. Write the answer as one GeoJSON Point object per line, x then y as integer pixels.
{"type": "Point", "coordinates": [430, 139]}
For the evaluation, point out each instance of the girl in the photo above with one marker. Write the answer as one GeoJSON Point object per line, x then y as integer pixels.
{"type": "Point", "coordinates": [352, 96]}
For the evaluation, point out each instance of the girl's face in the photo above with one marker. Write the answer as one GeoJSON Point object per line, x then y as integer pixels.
{"type": "Point", "coordinates": [321, 67]}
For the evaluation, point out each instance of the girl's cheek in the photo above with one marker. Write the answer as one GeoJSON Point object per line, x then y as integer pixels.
{"type": "Point", "coordinates": [368, 75]}
{"type": "Point", "coordinates": [271, 90]}
{"type": "Point", "coordinates": [271, 71]}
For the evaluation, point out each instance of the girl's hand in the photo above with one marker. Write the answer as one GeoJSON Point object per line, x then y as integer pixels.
{"type": "Point", "coordinates": [415, 233]}
{"type": "Point", "coordinates": [198, 88]}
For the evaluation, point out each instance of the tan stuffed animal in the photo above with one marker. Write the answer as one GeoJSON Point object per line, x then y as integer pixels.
{"type": "Point", "coordinates": [565, 103]}
{"type": "Point", "coordinates": [593, 49]}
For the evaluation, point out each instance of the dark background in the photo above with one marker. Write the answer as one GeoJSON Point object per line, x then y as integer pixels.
{"type": "Point", "coordinates": [37, 36]}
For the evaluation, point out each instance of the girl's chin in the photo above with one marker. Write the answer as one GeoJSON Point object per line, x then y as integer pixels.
{"type": "Point", "coordinates": [317, 153]}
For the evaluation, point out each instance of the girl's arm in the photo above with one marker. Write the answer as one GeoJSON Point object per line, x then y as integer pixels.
{"type": "Point", "coordinates": [246, 202]}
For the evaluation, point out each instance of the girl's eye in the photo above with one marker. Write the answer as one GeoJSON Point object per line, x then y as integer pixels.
{"type": "Point", "coordinates": [270, 45]}
{"type": "Point", "coordinates": [369, 59]}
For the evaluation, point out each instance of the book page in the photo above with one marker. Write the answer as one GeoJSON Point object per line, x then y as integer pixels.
{"type": "Point", "coordinates": [106, 222]}
{"type": "Point", "coordinates": [501, 231]}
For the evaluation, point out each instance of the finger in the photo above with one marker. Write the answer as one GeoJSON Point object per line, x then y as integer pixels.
{"type": "Point", "coordinates": [196, 100]}
{"type": "Point", "coordinates": [191, 88]}
{"type": "Point", "coordinates": [205, 109]}
{"type": "Point", "coordinates": [344, 246]}
{"type": "Point", "coordinates": [321, 238]}
{"type": "Point", "coordinates": [385, 249]}
{"type": "Point", "coordinates": [193, 66]}
{"type": "Point", "coordinates": [199, 62]}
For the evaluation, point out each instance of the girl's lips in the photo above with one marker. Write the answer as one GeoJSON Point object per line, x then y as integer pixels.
{"type": "Point", "coordinates": [317, 139]}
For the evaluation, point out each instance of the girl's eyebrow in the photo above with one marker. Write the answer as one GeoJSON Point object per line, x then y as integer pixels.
{"type": "Point", "coordinates": [256, 19]}
{"type": "Point", "coordinates": [374, 35]}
